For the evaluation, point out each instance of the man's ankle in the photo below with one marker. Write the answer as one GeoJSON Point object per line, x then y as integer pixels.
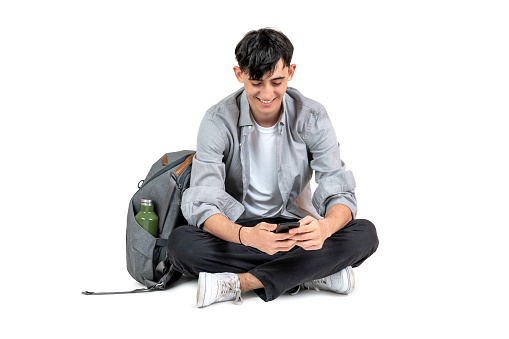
{"type": "Point", "coordinates": [248, 282]}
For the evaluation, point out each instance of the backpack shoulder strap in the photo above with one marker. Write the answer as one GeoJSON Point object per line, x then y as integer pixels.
{"type": "Point", "coordinates": [163, 212]}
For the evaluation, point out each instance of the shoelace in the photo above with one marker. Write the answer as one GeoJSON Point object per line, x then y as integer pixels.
{"type": "Point", "coordinates": [229, 286]}
{"type": "Point", "coordinates": [313, 283]}
{"type": "Point", "coordinates": [318, 281]}
{"type": "Point", "coordinates": [295, 290]}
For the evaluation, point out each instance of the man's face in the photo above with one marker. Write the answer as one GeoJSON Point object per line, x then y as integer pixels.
{"type": "Point", "coordinates": [265, 96]}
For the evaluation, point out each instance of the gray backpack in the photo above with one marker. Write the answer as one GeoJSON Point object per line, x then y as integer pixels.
{"type": "Point", "coordinates": [146, 256]}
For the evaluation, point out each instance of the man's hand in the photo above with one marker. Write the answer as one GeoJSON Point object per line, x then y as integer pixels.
{"type": "Point", "coordinates": [262, 238]}
{"type": "Point", "coordinates": [311, 234]}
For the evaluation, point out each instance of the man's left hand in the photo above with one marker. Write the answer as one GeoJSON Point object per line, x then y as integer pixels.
{"type": "Point", "coordinates": [311, 233]}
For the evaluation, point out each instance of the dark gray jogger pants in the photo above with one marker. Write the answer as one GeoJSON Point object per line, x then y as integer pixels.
{"type": "Point", "coordinates": [192, 250]}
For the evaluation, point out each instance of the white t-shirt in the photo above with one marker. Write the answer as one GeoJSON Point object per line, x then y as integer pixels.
{"type": "Point", "coordinates": [263, 198]}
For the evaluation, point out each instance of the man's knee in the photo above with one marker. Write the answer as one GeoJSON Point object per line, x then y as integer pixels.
{"type": "Point", "coordinates": [361, 236]}
{"type": "Point", "coordinates": [180, 244]}
{"type": "Point", "coordinates": [369, 229]}
{"type": "Point", "coordinates": [367, 241]}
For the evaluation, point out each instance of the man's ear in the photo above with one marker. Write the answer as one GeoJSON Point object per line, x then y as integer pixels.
{"type": "Point", "coordinates": [238, 74]}
{"type": "Point", "coordinates": [291, 71]}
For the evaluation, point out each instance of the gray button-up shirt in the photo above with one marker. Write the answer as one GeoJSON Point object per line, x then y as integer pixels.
{"type": "Point", "coordinates": [306, 141]}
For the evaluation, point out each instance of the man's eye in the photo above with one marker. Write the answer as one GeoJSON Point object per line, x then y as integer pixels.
{"type": "Point", "coordinates": [276, 83]}
{"type": "Point", "coordinates": [257, 84]}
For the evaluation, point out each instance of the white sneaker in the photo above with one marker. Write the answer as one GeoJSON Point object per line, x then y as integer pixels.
{"type": "Point", "coordinates": [342, 282]}
{"type": "Point", "coordinates": [214, 287]}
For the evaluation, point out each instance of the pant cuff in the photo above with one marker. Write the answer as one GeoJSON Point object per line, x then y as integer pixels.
{"type": "Point", "coordinates": [267, 292]}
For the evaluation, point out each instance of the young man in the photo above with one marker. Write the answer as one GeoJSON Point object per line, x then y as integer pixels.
{"type": "Point", "coordinates": [257, 150]}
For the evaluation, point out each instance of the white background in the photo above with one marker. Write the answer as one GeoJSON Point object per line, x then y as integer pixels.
{"type": "Point", "coordinates": [93, 92]}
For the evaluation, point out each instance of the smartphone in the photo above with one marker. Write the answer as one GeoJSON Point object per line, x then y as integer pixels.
{"type": "Point", "coordinates": [285, 227]}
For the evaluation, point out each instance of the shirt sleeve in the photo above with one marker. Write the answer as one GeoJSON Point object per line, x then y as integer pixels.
{"type": "Point", "coordinates": [206, 195]}
{"type": "Point", "coordinates": [335, 184]}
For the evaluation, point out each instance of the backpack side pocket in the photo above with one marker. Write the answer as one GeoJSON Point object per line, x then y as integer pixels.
{"type": "Point", "coordinates": [140, 249]}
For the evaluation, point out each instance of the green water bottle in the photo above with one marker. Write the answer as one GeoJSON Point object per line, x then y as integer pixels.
{"type": "Point", "coordinates": [147, 218]}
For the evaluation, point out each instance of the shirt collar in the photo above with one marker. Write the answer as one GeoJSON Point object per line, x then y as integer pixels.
{"type": "Point", "coordinates": [245, 115]}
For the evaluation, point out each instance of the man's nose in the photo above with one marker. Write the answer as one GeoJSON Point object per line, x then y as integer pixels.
{"type": "Point", "coordinates": [267, 91]}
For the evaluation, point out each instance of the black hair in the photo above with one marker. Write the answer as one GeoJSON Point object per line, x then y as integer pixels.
{"type": "Point", "coordinates": [259, 52]}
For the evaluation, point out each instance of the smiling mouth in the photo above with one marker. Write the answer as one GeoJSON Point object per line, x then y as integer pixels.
{"type": "Point", "coordinates": [266, 102]}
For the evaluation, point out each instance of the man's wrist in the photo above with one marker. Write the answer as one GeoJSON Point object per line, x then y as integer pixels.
{"type": "Point", "coordinates": [337, 217]}
{"type": "Point", "coordinates": [240, 239]}
{"type": "Point", "coordinates": [244, 235]}
{"type": "Point", "coordinates": [329, 226]}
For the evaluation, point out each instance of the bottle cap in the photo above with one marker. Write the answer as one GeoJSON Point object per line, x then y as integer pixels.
{"type": "Point", "coordinates": [146, 202]}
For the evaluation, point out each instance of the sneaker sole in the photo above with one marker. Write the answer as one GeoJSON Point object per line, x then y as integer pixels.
{"type": "Point", "coordinates": [200, 294]}
{"type": "Point", "coordinates": [350, 280]}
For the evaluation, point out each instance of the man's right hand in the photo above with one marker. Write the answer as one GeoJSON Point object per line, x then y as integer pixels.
{"type": "Point", "coordinates": [261, 237]}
